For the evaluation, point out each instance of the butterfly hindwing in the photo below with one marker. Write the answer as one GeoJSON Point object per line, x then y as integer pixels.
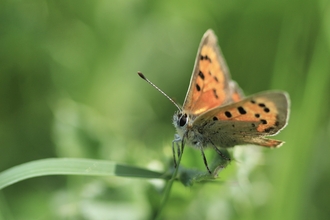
{"type": "Point", "coordinates": [246, 121]}
{"type": "Point", "coordinates": [210, 84]}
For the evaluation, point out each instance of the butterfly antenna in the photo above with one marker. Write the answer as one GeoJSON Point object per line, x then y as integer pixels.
{"type": "Point", "coordinates": [143, 77]}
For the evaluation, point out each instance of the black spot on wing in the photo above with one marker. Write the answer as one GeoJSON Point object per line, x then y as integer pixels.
{"type": "Point", "coordinates": [269, 129]}
{"type": "Point", "coordinates": [262, 105]}
{"type": "Point", "coordinates": [257, 115]}
{"type": "Point", "coordinates": [215, 93]}
{"type": "Point", "coordinates": [241, 110]}
{"type": "Point", "coordinates": [206, 58]}
{"type": "Point", "coordinates": [201, 75]}
{"type": "Point", "coordinates": [263, 121]}
{"type": "Point", "coordinates": [215, 118]}
{"type": "Point", "coordinates": [228, 114]}
{"type": "Point", "coordinates": [198, 87]}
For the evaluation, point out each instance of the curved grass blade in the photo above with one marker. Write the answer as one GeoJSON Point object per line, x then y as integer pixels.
{"type": "Point", "coordinates": [72, 166]}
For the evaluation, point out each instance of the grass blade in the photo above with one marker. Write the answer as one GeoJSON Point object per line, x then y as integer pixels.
{"type": "Point", "coordinates": [72, 166]}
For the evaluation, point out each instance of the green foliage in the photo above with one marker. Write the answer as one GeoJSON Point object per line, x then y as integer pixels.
{"type": "Point", "coordinates": [69, 89]}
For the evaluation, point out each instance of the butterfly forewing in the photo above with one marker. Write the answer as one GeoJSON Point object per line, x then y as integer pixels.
{"type": "Point", "coordinates": [210, 84]}
{"type": "Point", "coordinates": [236, 92]}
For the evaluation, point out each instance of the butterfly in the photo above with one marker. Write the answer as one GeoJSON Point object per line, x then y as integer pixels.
{"type": "Point", "coordinates": [216, 114]}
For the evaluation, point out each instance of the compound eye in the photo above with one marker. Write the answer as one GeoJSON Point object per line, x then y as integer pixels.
{"type": "Point", "coordinates": [183, 120]}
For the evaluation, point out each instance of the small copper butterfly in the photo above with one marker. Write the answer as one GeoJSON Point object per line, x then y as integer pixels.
{"type": "Point", "coordinates": [215, 112]}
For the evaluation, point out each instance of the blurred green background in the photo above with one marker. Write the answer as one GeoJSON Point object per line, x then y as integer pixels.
{"type": "Point", "coordinates": [69, 88]}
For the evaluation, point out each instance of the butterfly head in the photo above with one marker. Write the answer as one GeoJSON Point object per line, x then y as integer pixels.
{"type": "Point", "coordinates": [181, 121]}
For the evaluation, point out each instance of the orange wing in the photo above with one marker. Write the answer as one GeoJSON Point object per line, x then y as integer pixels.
{"type": "Point", "coordinates": [210, 84]}
{"type": "Point", "coordinates": [266, 112]}
{"type": "Point", "coordinates": [246, 121]}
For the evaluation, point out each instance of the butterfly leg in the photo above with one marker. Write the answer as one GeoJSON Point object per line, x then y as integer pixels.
{"type": "Point", "coordinates": [173, 150]}
{"type": "Point", "coordinates": [205, 161]}
{"type": "Point", "coordinates": [176, 141]}
{"type": "Point", "coordinates": [219, 151]}
{"type": "Point", "coordinates": [182, 145]}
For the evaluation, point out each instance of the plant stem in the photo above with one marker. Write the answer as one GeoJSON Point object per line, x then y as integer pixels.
{"type": "Point", "coordinates": [168, 188]}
